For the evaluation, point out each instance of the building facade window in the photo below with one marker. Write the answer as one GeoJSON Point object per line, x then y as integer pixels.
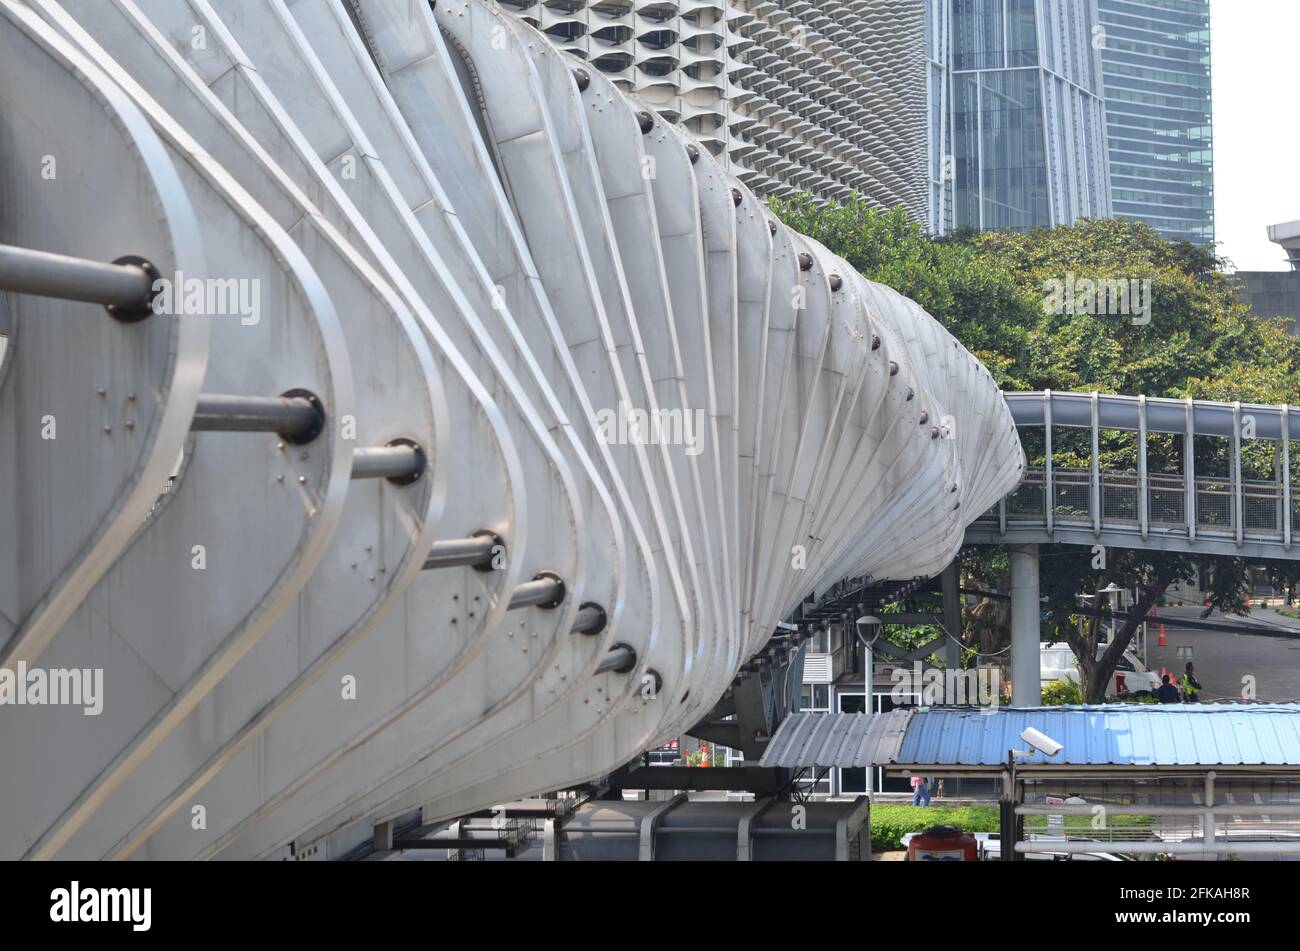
{"type": "Point", "coordinates": [1157, 75]}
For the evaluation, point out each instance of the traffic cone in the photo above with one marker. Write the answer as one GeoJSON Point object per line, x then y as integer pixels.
{"type": "Point", "coordinates": [1162, 641]}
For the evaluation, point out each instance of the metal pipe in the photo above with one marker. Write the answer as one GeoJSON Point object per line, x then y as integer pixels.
{"type": "Point", "coordinates": [1286, 477]}
{"type": "Point", "coordinates": [401, 462]}
{"type": "Point", "coordinates": [1156, 848]}
{"type": "Point", "coordinates": [479, 551]}
{"type": "Point", "coordinates": [544, 591]}
{"type": "Point", "coordinates": [456, 842]}
{"type": "Point", "coordinates": [125, 286]}
{"type": "Point", "coordinates": [591, 619]}
{"type": "Point", "coordinates": [1049, 491]}
{"type": "Point", "coordinates": [1236, 473]}
{"type": "Point", "coordinates": [1094, 475]}
{"type": "Point", "coordinates": [297, 416]}
{"type": "Point", "coordinates": [1137, 809]}
{"type": "Point", "coordinates": [1189, 468]}
{"type": "Point", "coordinates": [1144, 512]}
{"type": "Point", "coordinates": [619, 660]}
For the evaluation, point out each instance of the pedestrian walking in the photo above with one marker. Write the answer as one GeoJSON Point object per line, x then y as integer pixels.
{"type": "Point", "coordinates": [920, 791]}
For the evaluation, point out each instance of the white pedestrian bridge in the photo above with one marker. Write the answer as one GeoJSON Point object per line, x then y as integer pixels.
{"type": "Point", "coordinates": [327, 326]}
{"type": "Point", "coordinates": [1220, 512]}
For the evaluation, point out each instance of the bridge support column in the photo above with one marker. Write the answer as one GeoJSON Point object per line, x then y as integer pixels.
{"type": "Point", "coordinates": [1025, 626]}
{"type": "Point", "coordinates": [950, 582]}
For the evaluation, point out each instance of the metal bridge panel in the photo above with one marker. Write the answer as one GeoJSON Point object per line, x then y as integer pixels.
{"type": "Point", "coordinates": [464, 225]}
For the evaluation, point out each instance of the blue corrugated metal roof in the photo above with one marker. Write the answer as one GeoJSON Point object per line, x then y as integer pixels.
{"type": "Point", "coordinates": [1111, 735]}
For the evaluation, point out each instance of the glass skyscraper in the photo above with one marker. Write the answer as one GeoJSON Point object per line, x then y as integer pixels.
{"type": "Point", "coordinates": [1156, 68]}
{"type": "Point", "coordinates": [1017, 112]}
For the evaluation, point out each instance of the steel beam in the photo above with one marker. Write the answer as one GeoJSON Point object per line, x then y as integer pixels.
{"type": "Point", "coordinates": [951, 583]}
{"type": "Point", "coordinates": [760, 780]}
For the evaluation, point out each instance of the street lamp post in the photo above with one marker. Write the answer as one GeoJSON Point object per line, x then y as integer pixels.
{"type": "Point", "coordinates": [868, 629]}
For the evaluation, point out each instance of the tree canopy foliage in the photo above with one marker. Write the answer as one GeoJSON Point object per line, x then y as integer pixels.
{"type": "Point", "coordinates": [994, 292]}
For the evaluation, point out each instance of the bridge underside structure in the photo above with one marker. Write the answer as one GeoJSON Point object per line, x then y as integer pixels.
{"type": "Point", "coordinates": [400, 417]}
{"type": "Point", "coordinates": [1225, 513]}
{"type": "Point", "coordinates": [1184, 512]}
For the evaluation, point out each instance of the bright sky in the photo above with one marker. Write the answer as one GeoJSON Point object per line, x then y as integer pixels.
{"type": "Point", "coordinates": [1255, 57]}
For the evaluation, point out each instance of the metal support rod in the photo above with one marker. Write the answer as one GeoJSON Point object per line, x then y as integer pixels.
{"type": "Point", "coordinates": [1251, 809]}
{"type": "Point", "coordinates": [401, 462]}
{"type": "Point", "coordinates": [124, 286]}
{"type": "Point", "coordinates": [1207, 821]}
{"type": "Point", "coordinates": [591, 619]}
{"type": "Point", "coordinates": [479, 550]}
{"type": "Point", "coordinates": [1236, 472]}
{"type": "Point", "coordinates": [1144, 511]}
{"type": "Point", "coordinates": [1095, 475]}
{"type": "Point", "coordinates": [456, 842]}
{"type": "Point", "coordinates": [1277, 487]}
{"type": "Point", "coordinates": [1286, 477]}
{"type": "Point", "coordinates": [298, 418]}
{"type": "Point", "coordinates": [619, 660]}
{"type": "Point", "coordinates": [1049, 493]}
{"type": "Point", "coordinates": [544, 591]}
{"type": "Point", "coordinates": [1189, 468]}
{"type": "Point", "coordinates": [1161, 848]}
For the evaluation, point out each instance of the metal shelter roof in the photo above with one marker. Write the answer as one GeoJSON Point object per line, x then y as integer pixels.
{"type": "Point", "coordinates": [837, 739]}
{"type": "Point", "coordinates": [1120, 735]}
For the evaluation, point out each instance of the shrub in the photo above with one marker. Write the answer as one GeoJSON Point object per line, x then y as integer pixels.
{"type": "Point", "coordinates": [1061, 692]}
{"type": "Point", "coordinates": [889, 822]}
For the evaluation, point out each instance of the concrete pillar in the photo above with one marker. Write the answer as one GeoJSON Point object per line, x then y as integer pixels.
{"type": "Point", "coordinates": [1026, 691]}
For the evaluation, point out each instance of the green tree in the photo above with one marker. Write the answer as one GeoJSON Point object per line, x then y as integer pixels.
{"type": "Point", "coordinates": [992, 290]}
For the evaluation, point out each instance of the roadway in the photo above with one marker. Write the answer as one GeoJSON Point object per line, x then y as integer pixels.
{"type": "Point", "coordinates": [1223, 659]}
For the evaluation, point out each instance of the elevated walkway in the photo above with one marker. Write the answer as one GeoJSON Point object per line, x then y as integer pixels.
{"type": "Point", "coordinates": [1181, 511]}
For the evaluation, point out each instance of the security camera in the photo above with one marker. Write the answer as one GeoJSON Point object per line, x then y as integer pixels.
{"type": "Point", "coordinates": [1041, 741]}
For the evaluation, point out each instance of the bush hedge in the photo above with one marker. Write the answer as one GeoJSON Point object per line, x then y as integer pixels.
{"type": "Point", "coordinates": [889, 822]}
